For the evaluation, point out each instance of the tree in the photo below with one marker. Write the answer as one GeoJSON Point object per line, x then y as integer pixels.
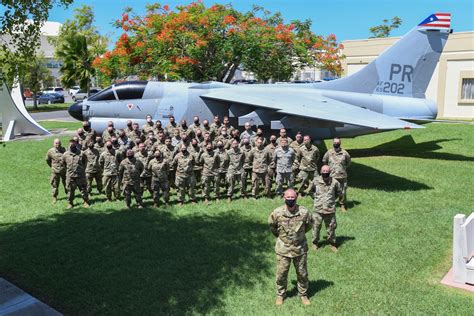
{"type": "Point", "coordinates": [77, 62]}
{"type": "Point", "coordinates": [384, 29]}
{"type": "Point", "coordinates": [20, 26]}
{"type": "Point", "coordinates": [202, 43]}
{"type": "Point", "coordinates": [90, 44]}
{"type": "Point", "coordinates": [37, 76]}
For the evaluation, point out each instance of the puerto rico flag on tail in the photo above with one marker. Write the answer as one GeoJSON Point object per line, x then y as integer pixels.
{"type": "Point", "coordinates": [437, 21]}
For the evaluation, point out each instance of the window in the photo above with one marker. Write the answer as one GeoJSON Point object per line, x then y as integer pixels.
{"type": "Point", "coordinates": [130, 90]}
{"type": "Point", "coordinates": [466, 88]}
{"type": "Point", "coordinates": [104, 95]}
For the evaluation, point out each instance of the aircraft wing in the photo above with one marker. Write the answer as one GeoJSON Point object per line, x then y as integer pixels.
{"type": "Point", "coordinates": [308, 104]}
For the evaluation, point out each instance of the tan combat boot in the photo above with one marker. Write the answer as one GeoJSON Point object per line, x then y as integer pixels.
{"type": "Point", "coordinates": [343, 208]}
{"type": "Point", "coordinates": [55, 199]}
{"type": "Point", "coordinates": [229, 199]}
{"type": "Point", "coordinates": [69, 206]}
{"type": "Point", "coordinates": [333, 248]}
{"type": "Point", "coordinates": [279, 301]}
{"type": "Point", "coordinates": [86, 205]}
{"type": "Point", "coordinates": [305, 300]}
{"type": "Point", "coordinates": [314, 247]}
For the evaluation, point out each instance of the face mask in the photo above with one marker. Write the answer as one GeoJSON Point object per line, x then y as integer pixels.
{"type": "Point", "coordinates": [72, 147]}
{"type": "Point", "coordinates": [183, 151]}
{"type": "Point", "coordinates": [109, 147]}
{"type": "Point", "coordinates": [336, 145]}
{"type": "Point", "coordinates": [220, 146]}
{"type": "Point", "coordinates": [273, 141]}
{"type": "Point", "coordinates": [196, 121]}
{"type": "Point", "coordinates": [157, 157]}
{"type": "Point", "coordinates": [290, 203]}
{"type": "Point", "coordinates": [325, 175]}
{"type": "Point", "coordinates": [259, 134]}
{"type": "Point", "coordinates": [129, 125]}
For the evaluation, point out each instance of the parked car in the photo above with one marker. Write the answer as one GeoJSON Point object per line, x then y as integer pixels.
{"type": "Point", "coordinates": [50, 98]}
{"type": "Point", "coordinates": [58, 90]}
{"type": "Point", "coordinates": [73, 90]}
{"type": "Point", "coordinates": [81, 94]}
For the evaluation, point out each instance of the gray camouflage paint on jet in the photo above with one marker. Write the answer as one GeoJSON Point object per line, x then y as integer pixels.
{"type": "Point", "coordinates": [382, 96]}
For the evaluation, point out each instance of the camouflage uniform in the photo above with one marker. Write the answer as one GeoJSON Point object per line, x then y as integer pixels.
{"type": "Point", "coordinates": [196, 152]}
{"type": "Point", "coordinates": [185, 181]}
{"type": "Point", "coordinates": [215, 129]}
{"type": "Point", "coordinates": [235, 170]}
{"type": "Point", "coordinates": [129, 179]}
{"type": "Point", "coordinates": [93, 169]}
{"type": "Point", "coordinates": [210, 163]}
{"type": "Point", "coordinates": [308, 165]}
{"type": "Point", "coordinates": [221, 170]}
{"type": "Point", "coordinates": [271, 172]}
{"type": "Point", "coordinates": [290, 228]}
{"type": "Point", "coordinates": [54, 159]}
{"type": "Point", "coordinates": [75, 174]}
{"type": "Point", "coordinates": [136, 137]}
{"type": "Point", "coordinates": [247, 171]}
{"type": "Point", "coordinates": [159, 181]}
{"type": "Point", "coordinates": [338, 161]}
{"type": "Point", "coordinates": [90, 134]}
{"type": "Point", "coordinates": [106, 136]}
{"type": "Point", "coordinates": [145, 176]}
{"type": "Point", "coordinates": [284, 159]}
{"type": "Point", "coordinates": [296, 146]}
{"type": "Point", "coordinates": [147, 127]}
{"type": "Point", "coordinates": [250, 134]}
{"type": "Point", "coordinates": [260, 159]}
{"type": "Point", "coordinates": [170, 128]}
{"type": "Point", "coordinates": [168, 153]}
{"type": "Point", "coordinates": [226, 140]}
{"type": "Point", "coordinates": [109, 164]}
{"type": "Point", "coordinates": [288, 138]}
{"type": "Point", "coordinates": [100, 147]}
{"type": "Point", "coordinates": [325, 207]}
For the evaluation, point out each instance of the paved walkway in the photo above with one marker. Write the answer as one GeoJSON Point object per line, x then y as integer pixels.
{"type": "Point", "coordinates": [53, 116]}
{"type": "Point", "coordinates": [14, 301]}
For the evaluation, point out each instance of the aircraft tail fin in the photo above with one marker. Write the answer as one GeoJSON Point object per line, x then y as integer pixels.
{"type": "Point", "coordinates": [405, 68]}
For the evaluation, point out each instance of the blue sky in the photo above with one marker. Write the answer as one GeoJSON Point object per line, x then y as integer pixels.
{"type": "Point", "coordinates": [347, 19]}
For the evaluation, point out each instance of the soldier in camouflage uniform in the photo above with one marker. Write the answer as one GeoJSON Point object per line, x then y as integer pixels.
{"type": "Point", "coordinates": [129, 129]}
{"type": "Point", "coordinates": [99, 144]}
{"type": "Point", "coordinates": [109, 164]}
{"type": "Point", "coordinates": [284, 157]}
{"type": "Point", "coordinates": [247, 169]}
{"type": "Point", "coordinates": [109, 132]}
{"type": "Point", "coordinates": [289, 223]}
{"type": "Point", "coordinates": [136, 135]}
{"type": "Point", "coordinates": [215, 126]}
{"type": "Point", "coordinates": [75, 162]}
{"type": "Point", "coordinates": [93, 169]}
{"type": "Point", "coordinates": [89, 132]}
{"type": "Point", "coordinates": [260, 159]}
{"type": "Point", "coordinates": [296, 146]}
{"type": "Point", "coordinates": [222, 168]}
{"type": "Point", "coordinates": [224, 137]}
{"type": "Point", "coordinates": [54, 159]}
{"type": "Point", "coordinates": [129, 173]}
{"type": "Point", "coordinates": [196, 151]}
{"type": "Point", "coordinates": [185, 181]}
{"type": "Point", "coordinates": [185, 130]}
{"type": "Point", "coordinates": [158, 128]}
{"type": "Point", "coordinates": [271, 172]}
{"type": "Point", "coordinates": [171, 127]}
{"type": "Point", "coordinates": [227, 126]}
{"type": "Point", "coordinates": [207, 128]}
{"type": "Point", "coordinates": [81, 136]}
{"type": "Point", "coordinates": [209, 159]}
{"type": "Point", "coordinates": [235, 170]}
{"type": "Point", "coordinates": [196, 125]}
{"type": "Point", "coordinates": [148, 126]}
{"type": "Point", "coordinates": [248, 132]}
{"type": "Point", "coordinates": [158, 167]}
{"type": "Point", "coordinates": [326, 189]}
{"type": "Point", "coordinates": [339, 160]}
{"type": "Point", "coordinates": [145, 177]}
{"type": "Point", "coordinates": [283, 135]}
{"type": "Point", "coordinates": [168, 151]}
{"type": "Point", "coordinates": [307, 158]}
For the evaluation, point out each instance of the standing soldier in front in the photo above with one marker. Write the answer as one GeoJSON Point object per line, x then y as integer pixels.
{"type": "Point", "coordinates": [159, 167]}
{"type": "Point", "coordinates": [271, 147]}
{"type": "Point", "coordinates": [109, 164]}
{"type": "Point", "coordinates": [339, 160]}
{"type": "Point", "coordinates": [284, 157]}
{"type": "Point", "coordinates": [54, 159]}
{"type": "Point", "coordinates": [210, 162]}
{"type": "Point", "coordinates": [246, 148]}
{"type": "Point", "coordinates": [325, 191]}
{"type": "Point", "coordinates": [260, 159]}
{"type": "Point", "coordinates": [129, 173]}
{"type": "Point", "coordinates": [308, 163]}
{"type": "Point", "coordinates": [235, 170]}
{"type": "Point", "coordinates": [185, 181]}
{"type": "Point", "coordinates": [93, 169]}
{"type": "Point", "coordinates": [75, 162]}
{"type": "Point", "coordinates": [289, 223]}
{"type": "Point", "coordinates": [221, 168]}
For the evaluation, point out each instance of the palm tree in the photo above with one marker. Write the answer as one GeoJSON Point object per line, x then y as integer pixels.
{"type": "Point", "coordinates": [77, 62]}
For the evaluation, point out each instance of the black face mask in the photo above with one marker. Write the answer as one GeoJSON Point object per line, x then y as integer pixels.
{"type": "Point", "coordinates": [290, 203]}
{"type": "Point", "coordinates": [73, 147]}
{"type": "Point", "coordinates": [337, 145]}
{"type": "Point", "coordinates": [109, 147]}
{"type": "Point", "coordinates": [325, 175]}
{"type": "Point", "coordinates": [196, 122]}
{"type": "Point", "coordinates": [220, 146]}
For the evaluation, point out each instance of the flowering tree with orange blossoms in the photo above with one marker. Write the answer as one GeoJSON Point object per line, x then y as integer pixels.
{"type": "Point", "coordinates": [200, 43]}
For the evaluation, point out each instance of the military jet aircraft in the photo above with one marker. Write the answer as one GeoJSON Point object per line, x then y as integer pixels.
{"type": "Point", "coordinates": [387, 94]}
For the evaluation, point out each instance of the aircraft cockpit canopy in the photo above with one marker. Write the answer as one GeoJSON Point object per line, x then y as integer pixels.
{"type": "Point", "coordinates": [125, 91]}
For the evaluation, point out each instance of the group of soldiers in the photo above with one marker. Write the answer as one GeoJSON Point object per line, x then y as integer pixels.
{"type": "Point", "coordinates": [203, 156]}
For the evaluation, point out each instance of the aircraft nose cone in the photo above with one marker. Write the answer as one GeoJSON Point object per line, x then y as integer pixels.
{"type": "Point", "coordinates": [75, 110]}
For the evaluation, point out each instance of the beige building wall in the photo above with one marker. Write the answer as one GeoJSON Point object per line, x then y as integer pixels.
{"type": "Point", "coordinates": [456, 63]}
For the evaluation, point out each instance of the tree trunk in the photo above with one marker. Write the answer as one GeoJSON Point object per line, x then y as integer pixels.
{"type": "Point", "coordinates": [35, 102]}
{"type": "Point", "coordinates": [231, 73]}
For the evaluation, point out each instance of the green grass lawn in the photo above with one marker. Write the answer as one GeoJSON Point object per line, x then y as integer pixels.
{"type": "Point", "coordinates": [395, 241]}
{"type": "Point", "coordinates": [49, 107]}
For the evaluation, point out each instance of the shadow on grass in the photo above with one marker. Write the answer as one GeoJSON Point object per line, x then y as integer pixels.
{"type": "Point", "coordinates": [365, 177]}
{"type": "Point", "coordinates": [405, 146]}
{"type": "Point", "coordinates": [135, 261]}
{"type": "Point", "coordinates": [314, 288]}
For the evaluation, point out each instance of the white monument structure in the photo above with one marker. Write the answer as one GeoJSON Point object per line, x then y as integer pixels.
{"type": "Point", "coordinates": [15, 118]}
{"type": "Point", "coordinates": [463, 249]}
